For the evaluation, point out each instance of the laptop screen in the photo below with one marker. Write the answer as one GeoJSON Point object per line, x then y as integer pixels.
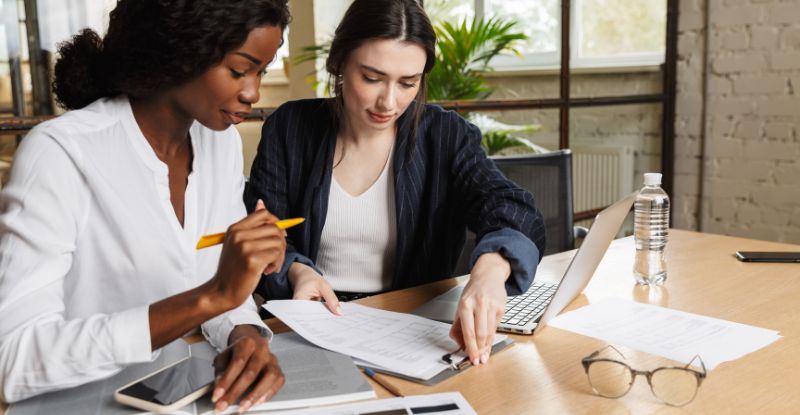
{"type": "Point", "coordinates": [606, 225]}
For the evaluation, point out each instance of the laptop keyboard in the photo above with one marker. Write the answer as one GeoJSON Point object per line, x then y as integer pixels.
{"type": "Point", "coordinates": [521, 309]}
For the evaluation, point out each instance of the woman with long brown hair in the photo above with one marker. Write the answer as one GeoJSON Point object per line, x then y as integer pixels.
{"type": "Point", "coordinates": [389, 185]}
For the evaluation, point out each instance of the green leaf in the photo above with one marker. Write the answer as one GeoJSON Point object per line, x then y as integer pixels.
{"type": "Point", "coordinates": [494, 141]}
{"type": "Point", "coordinates": [464, 53]}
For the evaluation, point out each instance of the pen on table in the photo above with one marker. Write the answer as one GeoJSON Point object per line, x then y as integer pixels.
{"type": "Point", "coordinates": [218, 238]}
{"type": "Point", "coordinates": [386, 385]}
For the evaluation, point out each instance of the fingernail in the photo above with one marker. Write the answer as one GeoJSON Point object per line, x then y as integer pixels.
{"type": "Point", "coordinates": [221, 406]}
{"type": "Point", "coordinates": [485, 357]}
{"type": "Point", "coordinates": [218, 392]}
{"type": "Point", "coordinates": [339, 310]}
{"type": "Point", "coordinates": [476, 362]}
{"type": "Point", "coordinates": [260, 400]}
{"type": "Point", "coordinates": [260, 204]}
{"type": "Point", "coordinates": [244, 406]}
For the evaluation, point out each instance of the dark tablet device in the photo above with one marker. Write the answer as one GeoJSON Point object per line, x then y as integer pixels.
{"type": "Point", "coordinates": [749, 256]}
{"type": "Point", "coordinates": [170, 388]}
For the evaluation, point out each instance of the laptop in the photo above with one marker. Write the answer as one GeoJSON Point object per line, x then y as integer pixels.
{"type": "Point", "coordinates": [528, 312]}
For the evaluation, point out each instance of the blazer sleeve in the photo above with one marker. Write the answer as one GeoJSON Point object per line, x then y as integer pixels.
{"type": "Point", "coordinates": [501, 214]}
{"type": "Point", "coordinates": [269, 182]}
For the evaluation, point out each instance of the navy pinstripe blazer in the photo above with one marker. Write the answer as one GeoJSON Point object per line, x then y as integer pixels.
{"type": "Point", "coordinates": [444, 184]}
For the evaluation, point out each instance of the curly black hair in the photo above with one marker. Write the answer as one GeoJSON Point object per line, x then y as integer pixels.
{"type": "Point", "coordinates": [153, 45]}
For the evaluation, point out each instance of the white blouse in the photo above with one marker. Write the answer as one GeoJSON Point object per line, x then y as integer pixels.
{"type": "Point", "coordinates": [359, 239]}
{"type": "Point", "coordinates": [89, 238]}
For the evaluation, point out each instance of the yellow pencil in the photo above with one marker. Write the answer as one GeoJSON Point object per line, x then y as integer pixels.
{"type": "Point", "coordinates": [218, 238]}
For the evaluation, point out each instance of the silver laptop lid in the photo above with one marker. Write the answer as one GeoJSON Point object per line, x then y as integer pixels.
{"type": "Point", "coordinates": [580, 270]}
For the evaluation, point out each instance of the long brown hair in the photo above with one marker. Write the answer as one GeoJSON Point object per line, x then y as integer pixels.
{"type": "Point", "coordinates": [365, 20]}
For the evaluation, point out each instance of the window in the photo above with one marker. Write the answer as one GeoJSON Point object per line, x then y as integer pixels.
{"type": "Point", "coordinates": [600, 39]}
{"type": "Point", "coordinates": [450, 10]}
{"type": "Point", "coordinates": [4, 52]}
{"type": "Point", "coordinates": [603, 32]}
{"type": "Point", "coordinates": [59, 20]}
{"type": "Point", "coordinates": [276, 72]}
{"type": "Point", "coordinates": [540, 21]}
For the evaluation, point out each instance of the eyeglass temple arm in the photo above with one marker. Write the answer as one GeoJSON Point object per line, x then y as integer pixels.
{"type": "Point", "coordinates": [702, 365]}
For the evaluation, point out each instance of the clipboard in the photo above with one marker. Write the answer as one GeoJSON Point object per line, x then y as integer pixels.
{"type": "Point", "coordinates": [447, 372]}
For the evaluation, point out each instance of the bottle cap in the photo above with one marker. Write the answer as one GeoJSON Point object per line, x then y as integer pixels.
{"type": "Point", "coordinates": [652, 179]}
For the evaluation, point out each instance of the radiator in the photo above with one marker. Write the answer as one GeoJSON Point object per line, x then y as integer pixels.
{"type": "Point", "coordinates": [600, 176]}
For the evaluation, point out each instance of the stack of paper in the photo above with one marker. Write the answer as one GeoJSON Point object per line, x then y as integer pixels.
{"type": "Point", "coordinates": [673, 334]}
{"type": "Point", "coordinates": [405, 344]}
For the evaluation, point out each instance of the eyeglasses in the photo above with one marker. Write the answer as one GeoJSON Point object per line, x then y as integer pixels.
{"type": "Point", "coordinates": [610, 378]}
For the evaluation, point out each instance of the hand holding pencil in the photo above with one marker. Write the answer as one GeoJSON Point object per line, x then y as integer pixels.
{"type": "Point", "coordinates": [218, 238]}
{"type": "Point", "coordinates": [253, 246]}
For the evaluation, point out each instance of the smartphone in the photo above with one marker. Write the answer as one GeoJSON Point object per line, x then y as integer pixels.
{"type": "Point", "coordinates": [768, 256]}
{"type": "Point", "coordinates": [170, 388]}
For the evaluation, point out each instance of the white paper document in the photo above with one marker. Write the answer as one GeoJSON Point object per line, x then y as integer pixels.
{"type": "Point", "coordinates": [403, 343]}
{"type": "Point", "coordinates": [450, 403]}
{"type": "Point", "coordinates": [673, 334]}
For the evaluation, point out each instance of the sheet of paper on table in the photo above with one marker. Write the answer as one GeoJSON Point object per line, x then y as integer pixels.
{"type": "Point", "coordinates": [673, 334]}
{"type": "Point", "coordinates": [403, 343]}
{"type": "Point", "coordinates": [450, 403]}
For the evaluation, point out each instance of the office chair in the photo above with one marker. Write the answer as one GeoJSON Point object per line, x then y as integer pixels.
{"type": "Point", "coordinates": [548, 177]}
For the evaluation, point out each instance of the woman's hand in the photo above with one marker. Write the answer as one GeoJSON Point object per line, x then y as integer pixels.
{"type": "Point", "coordinates": [246, 363]}
{"type": "Point", "coordinates": [253, 246]}
{"type": "Point", "coordinates": [481, 307]}
{"type": "Point", "coordinates": [308, 285]}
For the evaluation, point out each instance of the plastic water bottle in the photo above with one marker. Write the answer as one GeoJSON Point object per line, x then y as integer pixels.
{"type": "Point", "coordinates": [650, 225]}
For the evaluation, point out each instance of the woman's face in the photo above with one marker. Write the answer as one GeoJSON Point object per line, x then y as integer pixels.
{"type": "Point", "coordinates": [225, 93]}
{"type": "Point", "coordinates": [379, 82]}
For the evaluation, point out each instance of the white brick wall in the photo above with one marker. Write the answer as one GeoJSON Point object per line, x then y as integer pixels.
{"type": "Point", "coordinates": [744, 179]}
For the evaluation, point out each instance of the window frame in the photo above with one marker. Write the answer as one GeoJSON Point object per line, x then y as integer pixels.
{"type": "Point", "coordinates": [548, 60]}
{"type": "Point", "coordinates": [565, 102]}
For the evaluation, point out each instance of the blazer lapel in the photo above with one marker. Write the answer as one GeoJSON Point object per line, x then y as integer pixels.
{"type": "Point", "coordinates": [405, 199]}
{"type": "Point", "coordinates": [321, 174]}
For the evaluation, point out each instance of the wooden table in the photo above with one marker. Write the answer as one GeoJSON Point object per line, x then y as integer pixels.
{"type": "Point", "coordinates": [543, 374]}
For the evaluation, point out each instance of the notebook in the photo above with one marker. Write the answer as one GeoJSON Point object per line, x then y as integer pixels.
{"type": "Point", "coordinates": [314, 376]}
{"type": "Point", "coordinates": [528, 312]}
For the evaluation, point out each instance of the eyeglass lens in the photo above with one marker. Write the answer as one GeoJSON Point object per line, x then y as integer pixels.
{"type": "Point", "coordinates": [673, 386]}
{"type": "Point", "coordinates": [610, 379]}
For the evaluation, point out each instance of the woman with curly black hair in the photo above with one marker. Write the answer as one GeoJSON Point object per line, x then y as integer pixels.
{"type": "Point", "coordinates": [99, 221]}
